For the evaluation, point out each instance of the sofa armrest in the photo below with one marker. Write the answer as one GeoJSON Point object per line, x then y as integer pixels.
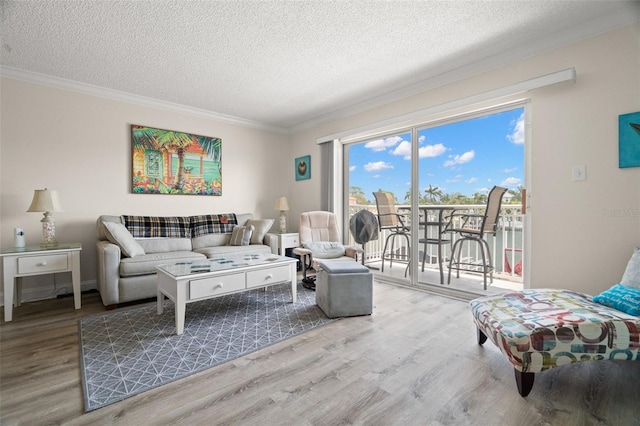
{"type": "Point", "coordinates": [108, 276]}
{"type": "Point", "coordinates": [271, 240]}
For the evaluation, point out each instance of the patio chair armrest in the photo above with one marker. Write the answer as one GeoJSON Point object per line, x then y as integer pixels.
{"type": "Point", "coordinates": [464, 218]}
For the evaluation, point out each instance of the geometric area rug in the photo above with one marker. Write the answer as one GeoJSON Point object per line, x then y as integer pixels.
{"type": "Point", "coordinates": [131, 351]}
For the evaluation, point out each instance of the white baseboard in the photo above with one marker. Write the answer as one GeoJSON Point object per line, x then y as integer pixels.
{"type": "Point", "coordinates": [29, 294]}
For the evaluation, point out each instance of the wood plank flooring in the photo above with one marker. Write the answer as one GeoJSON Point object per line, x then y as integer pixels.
{"type": "Point", "coordinates": [415, 361]}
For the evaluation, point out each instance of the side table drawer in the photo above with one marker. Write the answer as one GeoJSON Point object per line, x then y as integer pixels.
{"type": "Point", "coordinates": [268, 276]}
{"type": "Point", "coordinates": [207, 287]}
{"type": "Point", "coordinates": [289, 241]}
{"type": "Point", "coordinates": [42, 264]}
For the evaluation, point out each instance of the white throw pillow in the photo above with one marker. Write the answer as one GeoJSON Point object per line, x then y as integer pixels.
{"type": "Point", "coordinates": [325, 249]}
{"type": "Point", "coordinates": [118, 234]}
{"type": "Point", "coordinates": [631, 277]}
{"type": "Point", "coordinates": [241, 235]}
{"type": "Point", "coordinates": [261, 227]}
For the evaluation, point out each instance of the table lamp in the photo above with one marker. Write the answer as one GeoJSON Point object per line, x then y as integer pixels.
{"type": "Point", "coordinates": [46, 201]}
{"type": "Point", "coordinates": [283, 205]}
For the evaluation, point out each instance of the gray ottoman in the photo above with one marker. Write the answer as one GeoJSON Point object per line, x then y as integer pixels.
{"type": "Point", "coordinates": [344, 288]}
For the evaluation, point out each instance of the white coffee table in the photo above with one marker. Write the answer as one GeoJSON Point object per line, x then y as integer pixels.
{"type": "Point", "coordinates": [191, 281]}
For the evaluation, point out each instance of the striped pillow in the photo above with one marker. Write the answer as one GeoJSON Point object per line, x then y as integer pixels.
{"type": "Point", "coordinates": [241, 235]}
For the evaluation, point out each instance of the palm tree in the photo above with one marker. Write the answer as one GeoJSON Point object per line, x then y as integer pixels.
{"type": "Point", "coordinates": [168, 141]}
{"type": "Point", "coordinates": [433, 194]}
{"type": "Point", "coordinates": [517, 194]}
{"type": "Point", "coordinates": [479, 198]}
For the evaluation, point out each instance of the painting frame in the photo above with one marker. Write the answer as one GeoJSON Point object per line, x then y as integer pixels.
{"type": "Point", "coordinates": [629, 140]}
{"type": "Point", "coordinates": [174, 163]}
{"type": "Point", "coordinates": [302, 167]}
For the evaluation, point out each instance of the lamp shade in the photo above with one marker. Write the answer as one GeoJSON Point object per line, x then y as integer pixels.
{"type": "Point", "coordinates": [45, 200]}
{"type": "Point", "coordinates": [281, 204]}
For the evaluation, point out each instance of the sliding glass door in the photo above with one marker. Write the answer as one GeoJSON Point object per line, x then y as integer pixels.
{"type": "Point", "coordinates": [455, 164]}
{"type": "Point", "coordinates": [459, 162]}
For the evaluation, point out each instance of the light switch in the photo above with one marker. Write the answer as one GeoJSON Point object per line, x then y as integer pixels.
{"type": "Point", "coordinates": [579, 172]}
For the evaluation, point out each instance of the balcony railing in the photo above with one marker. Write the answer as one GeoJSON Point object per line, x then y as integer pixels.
{"type": "Point", "coordinates": [506, 246]}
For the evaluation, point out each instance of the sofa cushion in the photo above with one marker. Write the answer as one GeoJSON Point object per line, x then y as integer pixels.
{"type": "Point", "coordinates": [158, 226]}
{"type": "Point", "coordinates": [631, 277]}
{"type": "Point", "coordinates": [212, 224]}
{"type": "Point", "coordinates": [213, 252]}
{"type": "Point", "coordinates": [261, 227]}
{"type": "Point", "coordinates": [162, 245]}
{"type": "Point", "coordinates": [241, 235]}
{"type": "Point", "coordinates": [146, 264]}
{"type": "Point", "coordinates": [119, 235]}
{"type": "Point", "coordinates": [211, 240]}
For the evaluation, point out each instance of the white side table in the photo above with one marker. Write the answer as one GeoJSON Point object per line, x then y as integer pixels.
{"type": "Point", "coordinates": [286, 240]}
{"type": "Point", "coordinates": [36, 260]}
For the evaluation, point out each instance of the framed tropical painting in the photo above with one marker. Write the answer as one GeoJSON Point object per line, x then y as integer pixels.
{"type": "Point", "coordinates": [170, 162]}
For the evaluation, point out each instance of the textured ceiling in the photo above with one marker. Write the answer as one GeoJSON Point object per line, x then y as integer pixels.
{"type": "Point", "coordinates": [286, 63]}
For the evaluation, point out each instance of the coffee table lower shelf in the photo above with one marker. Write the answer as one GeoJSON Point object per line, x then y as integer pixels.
{"type": "Point", "coordinates": [206, 285]}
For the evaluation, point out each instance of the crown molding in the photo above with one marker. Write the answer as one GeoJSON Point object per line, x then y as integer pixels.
{"type": "Point", "coordinates": [117, 95]}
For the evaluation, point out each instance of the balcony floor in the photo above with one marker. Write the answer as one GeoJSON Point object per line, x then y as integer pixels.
{"type": "Point", "coordinates": [467, 287]}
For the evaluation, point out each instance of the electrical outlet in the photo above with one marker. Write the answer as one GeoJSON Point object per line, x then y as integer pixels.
{"type": "Point", "coordinates": [579, 173]}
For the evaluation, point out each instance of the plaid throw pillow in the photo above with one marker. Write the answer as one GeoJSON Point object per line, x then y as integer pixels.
{"type": "Point", "coordinates": [212, 224]}
{"type": "Point", "coordinates": [156, 226]}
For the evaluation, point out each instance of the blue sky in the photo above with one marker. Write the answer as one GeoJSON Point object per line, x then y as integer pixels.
{"type": "Point", "coordinates": [467, 157]}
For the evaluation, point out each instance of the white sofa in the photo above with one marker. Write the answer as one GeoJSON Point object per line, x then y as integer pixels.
{"type": "Point", "coordinates": [130, 247]}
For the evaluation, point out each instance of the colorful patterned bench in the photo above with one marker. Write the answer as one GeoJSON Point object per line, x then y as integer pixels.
{"type": "Point", "coordinates": [541, 329]}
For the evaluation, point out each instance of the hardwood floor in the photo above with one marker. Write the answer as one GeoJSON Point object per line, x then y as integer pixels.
{"type": "Point", "coordinates": [415, 361]}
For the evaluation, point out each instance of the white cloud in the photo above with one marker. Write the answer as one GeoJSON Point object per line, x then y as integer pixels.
{"type": "Point", "coordinates": [430, 151]}
{"type": "Point", "coordinates": [421, 138]}
{"type": "Point", "coordinates": [472, 180]}
{"type": "Point", "coordinates": [460, 159]}
{"type": "Point", "coordinates": [352, 168]}
{"type": "Point", "coordinates": [517, 136]}
{"type": "Point", "coordinates": [382, 144]}
{"type": "Point", "coordinates": [511, 170]}
{"type": "Point", "coordinates": [511, 182]}
{"type": "Point", "coordinates": [404, 149]}
{"type": "Point", "coordinates": [377, 166]}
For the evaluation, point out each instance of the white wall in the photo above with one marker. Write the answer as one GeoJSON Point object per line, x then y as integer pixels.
{"type": "Point", "coordinates": [577, 243]}
{"type": "Point", "coordinates": [80, 145]}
